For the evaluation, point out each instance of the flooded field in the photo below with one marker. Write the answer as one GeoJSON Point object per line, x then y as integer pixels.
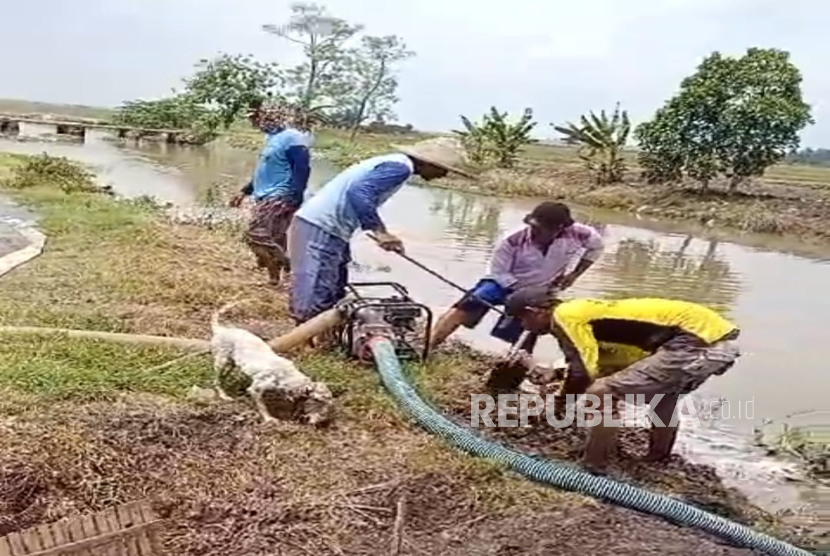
{"type": "Point", "coordinates": [774, 288]}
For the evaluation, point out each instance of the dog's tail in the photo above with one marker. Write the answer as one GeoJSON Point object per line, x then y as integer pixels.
{"type": "Point", "coordinates": [217, 315]}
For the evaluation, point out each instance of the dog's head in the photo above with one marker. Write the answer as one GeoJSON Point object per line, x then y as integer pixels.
{"type": "Point", "coordinates": [317, 407]}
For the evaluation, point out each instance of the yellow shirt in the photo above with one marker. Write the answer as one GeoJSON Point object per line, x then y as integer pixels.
{"type": "Point", "coordinates": [581, 325]}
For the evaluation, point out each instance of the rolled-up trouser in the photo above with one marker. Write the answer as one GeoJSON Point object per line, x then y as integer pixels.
{"type": "Point", "coordinates": [319, 269]}
{"type": "Point", "coordinates": [673, 371]}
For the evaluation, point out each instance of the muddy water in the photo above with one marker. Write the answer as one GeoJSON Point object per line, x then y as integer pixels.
{"type": "Point", "coordinates": [125, 170]}
{"type": "Point", "coordinates": [775, 289]}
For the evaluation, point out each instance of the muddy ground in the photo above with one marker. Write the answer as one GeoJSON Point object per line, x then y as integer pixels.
{"type": "Point", "coordinates": [229, 485]}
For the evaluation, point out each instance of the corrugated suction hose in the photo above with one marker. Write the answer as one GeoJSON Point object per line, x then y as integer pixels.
{"type": "Point", "coordinates": [562, 475]}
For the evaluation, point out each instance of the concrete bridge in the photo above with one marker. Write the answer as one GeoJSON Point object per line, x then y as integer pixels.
{"type": "Point", "coordinates": [24, 126]}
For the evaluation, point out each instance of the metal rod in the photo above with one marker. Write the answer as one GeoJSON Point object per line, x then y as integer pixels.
{"type": "Point", "coordinates": [517, 347]}
{"type": "Point", "coordinates": [443, 279]}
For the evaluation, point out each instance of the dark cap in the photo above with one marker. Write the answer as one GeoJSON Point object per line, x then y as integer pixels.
{"type": "Point", "coordinates": [551, 216]}
{"type": "Point", "coordinates": [538, 297]}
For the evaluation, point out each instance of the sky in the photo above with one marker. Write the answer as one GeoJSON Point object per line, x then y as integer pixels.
{"type": "Point", "coordinates": [559, 58]}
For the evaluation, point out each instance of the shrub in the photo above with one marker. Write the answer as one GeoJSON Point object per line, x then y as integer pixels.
{"type": "Point", "coordinates": [51, 171]}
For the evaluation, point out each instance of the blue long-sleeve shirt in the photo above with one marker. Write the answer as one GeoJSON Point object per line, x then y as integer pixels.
{"type": "Point", "coordinates": [365, 194]}
{"type": "Point", "coordinates": [283, 169]}
{"type": "Point", "coordinates": [352, 198]}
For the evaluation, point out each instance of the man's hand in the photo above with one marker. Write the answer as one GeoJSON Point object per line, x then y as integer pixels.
{"type": "Point", "coordinates": [236, 200]}
{"type": "Point", "coordinates": [388, 242]}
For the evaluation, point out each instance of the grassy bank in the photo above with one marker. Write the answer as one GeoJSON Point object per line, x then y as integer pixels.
{"type": "Point", "coordinates": [790, 199]}
{"type": "Point", "coordinates": [87, 424]}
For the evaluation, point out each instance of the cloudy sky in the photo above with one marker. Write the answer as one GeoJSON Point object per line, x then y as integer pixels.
{"type": "Point", "coordinates": [561, 58]}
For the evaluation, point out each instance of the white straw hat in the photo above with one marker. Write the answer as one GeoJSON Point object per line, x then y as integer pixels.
{"type": "Point", "coordinates": [443, 152]}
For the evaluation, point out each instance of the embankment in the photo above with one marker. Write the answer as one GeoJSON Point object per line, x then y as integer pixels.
{"type": "Point", "coordinates": [790, 202]}
{"type": "Point", "coordinates": [89, 424]}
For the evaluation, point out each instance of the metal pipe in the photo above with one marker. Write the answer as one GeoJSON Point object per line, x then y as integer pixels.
{"type": "Point", "coordinates": [118, 337]}
{"type": "Point", "coordinates": [442, 278]}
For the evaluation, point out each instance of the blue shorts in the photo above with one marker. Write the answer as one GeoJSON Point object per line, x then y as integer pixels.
{"type": "Point", "coordinates": [507, 328]}
{"type": "Point", "coordinates": [319, 269]}
{"type": "Point", "coordinates": [487, 290]}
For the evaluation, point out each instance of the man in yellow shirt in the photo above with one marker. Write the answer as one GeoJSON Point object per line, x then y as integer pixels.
{"type": "Point", "coordinates": [666, 346]}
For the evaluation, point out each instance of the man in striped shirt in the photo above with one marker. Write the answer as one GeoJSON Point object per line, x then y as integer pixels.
{"type": "Point", "coordinates": [539, 254]}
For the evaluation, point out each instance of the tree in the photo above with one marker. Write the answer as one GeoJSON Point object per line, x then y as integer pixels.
{"type": "Point", "coordinates": [323, 38]}
{"type": "Point", "coordinates": [230, 83]}
{"type": "Point", "coordinates": [177, 112]}
{"type": "Point", "coordinates": [601, 142]}
{"type": "Point", "coordinates": [507, 139]}
{"type": "Point", "coordinates": [495, 137]}
{"type": "Point", "coordinates": [369, 79]}
{"type": "Point", "coordinates": [735, 116]}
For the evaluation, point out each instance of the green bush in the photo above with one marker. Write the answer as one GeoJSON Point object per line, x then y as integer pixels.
{"type": "Point", "coordinates": [51, 171]}
{"type": "Point", "coordinates": [601, 142]}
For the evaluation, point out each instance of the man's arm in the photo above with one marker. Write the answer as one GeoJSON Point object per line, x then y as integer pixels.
{"type": "Point", "coordinates": [246, 191]}
{"type": "Point", "coordinates": [364, 195]}
{"type": "Point", "coordinates": [501, 265]}
{"type": "Point", "coordinates": [300, 161]}
{"type": "Point", "coordinates": [572, 329]}
{"type": "Point", "coordinates": [592, 242]}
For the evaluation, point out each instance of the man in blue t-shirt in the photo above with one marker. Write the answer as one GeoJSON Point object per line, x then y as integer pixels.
{"type": "Point", "coordinates": [277, 186]}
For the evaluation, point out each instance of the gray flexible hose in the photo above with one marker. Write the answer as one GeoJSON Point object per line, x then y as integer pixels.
{"type": "Point", "coordinates": [562, 475]}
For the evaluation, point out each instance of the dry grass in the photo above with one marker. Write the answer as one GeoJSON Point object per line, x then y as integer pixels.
{"type": "Point", "coordinates": [117, 266]}
{"type": "Point", "coordinates": [229, 485]}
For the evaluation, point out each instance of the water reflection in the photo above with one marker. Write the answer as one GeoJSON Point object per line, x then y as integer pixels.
{"type": "Point", "coordinates": [636, 267]}
{"type": "Point", "coordinates": [470, 221]}
{"type": "Point", "coordinates": [213, 171]}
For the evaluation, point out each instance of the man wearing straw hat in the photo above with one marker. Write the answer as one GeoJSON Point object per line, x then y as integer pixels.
{"type": "Point", "coordinates": [323, 227]}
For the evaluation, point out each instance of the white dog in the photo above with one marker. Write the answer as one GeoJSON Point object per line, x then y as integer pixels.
{"type": "Point", "coordinates": [298, 396]}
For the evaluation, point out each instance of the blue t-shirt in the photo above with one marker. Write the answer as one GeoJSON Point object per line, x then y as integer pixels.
{"type": "Point", "coordinates": [283, 167]}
